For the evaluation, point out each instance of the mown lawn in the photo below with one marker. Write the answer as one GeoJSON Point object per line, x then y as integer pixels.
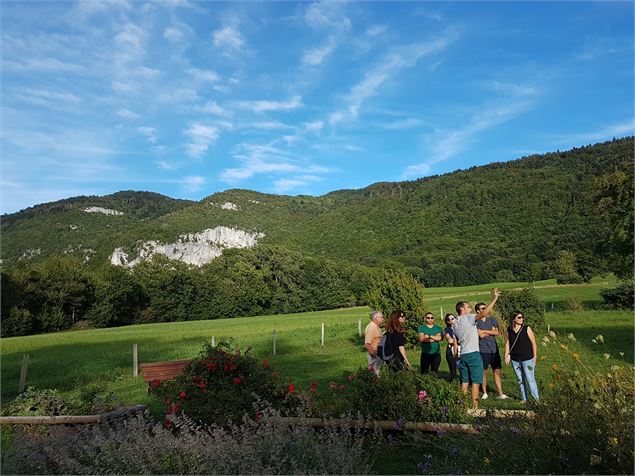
{"type": "Point", "coordinates": [71, 359]}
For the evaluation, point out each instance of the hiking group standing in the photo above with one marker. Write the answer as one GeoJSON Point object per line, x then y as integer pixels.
{"type": "Point", "coordinates": [471, 349]}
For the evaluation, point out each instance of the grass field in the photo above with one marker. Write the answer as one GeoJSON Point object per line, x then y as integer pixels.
{"type": "Point", "coordinates": [68, 360]}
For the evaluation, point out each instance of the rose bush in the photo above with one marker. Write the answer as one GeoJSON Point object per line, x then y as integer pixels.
{"type": "Point", "coordinates": [223, 384]}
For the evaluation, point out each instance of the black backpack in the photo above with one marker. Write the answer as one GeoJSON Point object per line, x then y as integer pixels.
{"type": "Point", "coordinates": [385, 351]}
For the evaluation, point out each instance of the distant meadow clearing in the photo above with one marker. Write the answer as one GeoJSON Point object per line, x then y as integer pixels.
{"type": "Point", "coordinates": [68, 360]}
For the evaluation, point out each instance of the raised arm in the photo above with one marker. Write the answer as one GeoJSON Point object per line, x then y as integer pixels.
{"type": "Point", "coordinates": [483, 314]}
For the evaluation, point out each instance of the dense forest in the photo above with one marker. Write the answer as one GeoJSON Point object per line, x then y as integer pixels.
{"type": "Point", "coordinates": [567, 215]}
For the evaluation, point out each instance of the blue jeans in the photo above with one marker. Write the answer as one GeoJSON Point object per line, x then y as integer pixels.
{"type": "Point", "coordinates": [525, 374]}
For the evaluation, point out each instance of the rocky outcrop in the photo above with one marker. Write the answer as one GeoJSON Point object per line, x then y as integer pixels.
{"type": "Point", "coordinates": [105, 211]}
{"type": "Point", "coordinates": [226, 205]}
{"type": "Point", "coordinates": [191, 248]}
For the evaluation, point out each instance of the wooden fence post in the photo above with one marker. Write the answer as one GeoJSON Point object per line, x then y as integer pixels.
{"type": "Point", "coordinates": [359, 327]}
{"type": "Point", "coordinates": [441, 315]}
{"type": "Point", "coordinates": [274, 342]}
{"type": "Point", "coordinates": [23, 369]}
{"type": "Point", "coordinates": [213, 342]}
{"type": "Point", "coordinates": [322, 340]}
{"type": "Point", "coordinates": [135, 361]}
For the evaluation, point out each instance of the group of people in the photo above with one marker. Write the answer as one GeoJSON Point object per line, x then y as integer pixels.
{"type": "Point", "coordinates": [471, 347]}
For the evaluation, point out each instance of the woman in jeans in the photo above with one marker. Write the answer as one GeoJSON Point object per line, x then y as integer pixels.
{"type": "Point", "coordinates": [521, 350]}
{"type": "Point", "coordinates": [450, 357]}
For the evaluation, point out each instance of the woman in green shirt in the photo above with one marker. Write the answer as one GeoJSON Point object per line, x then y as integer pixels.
{"type": "Point", "coordinates": [429, 336]}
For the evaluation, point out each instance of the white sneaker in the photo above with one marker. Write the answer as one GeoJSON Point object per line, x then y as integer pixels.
{"type": "Point", "coordinates": [503, 397]}
{"type": "Point", "coordinates": [484, 396]}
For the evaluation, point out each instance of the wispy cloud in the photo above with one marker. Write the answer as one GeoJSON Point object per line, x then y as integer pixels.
{"type": "Point", "coordinates": [285, 185]}
{"type": "Point", "coordinates": [212, 107]}
{"type": "Point", "coordinates": [203, 75]}
{"type": "Point", "coordinates": [327, 14]}
{"type": "Point", "coordinates": [270, 125]}
{"type": "Point", "coordinates": [407, 123]}
{"type": "Point", "coordinates": [315, 56]}
{"type": "Point", "coordinates": [447, 143]}
{"type": "Point", "coordinates": [264, 106]}
{"type": "Point", "coordinates": [601, 133]}
{"type": "Point", "coordinates": [193, 183]}
{"type": "Point", "coordinates": [201, 137]}
{"type": "Point", "coordinates": [228, 38]}
{"type": "Point", "coordinates": [257, 159]}
{"type": "Point", "coordinates": [150, 133]}
{"type": "Point", "coordinates": [127, 114]}
{"type": "Point", "coordinates": [391, 65]}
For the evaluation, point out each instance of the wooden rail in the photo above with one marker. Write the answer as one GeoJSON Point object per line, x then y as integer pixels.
{"type": "Point", "coordinates": [381, 424]}
{"type": "Point", "coordinates": [71, 419]}
{"type": "Point", "coordinates": [168, 370]}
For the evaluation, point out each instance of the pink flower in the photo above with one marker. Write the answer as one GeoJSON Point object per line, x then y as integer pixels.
{"type": "Point", "coordinates": [422, 394]}
{"type": "Point", "coordinates": [313, 387]}
{"type": "Point", "coordinates": [291, 388]}
{"type": "Point", "coordinates": [351, 377]}
{"type": "Point", "coordinates": [182, 395]}
{"type": "Point", "coordinates": [201, 384]}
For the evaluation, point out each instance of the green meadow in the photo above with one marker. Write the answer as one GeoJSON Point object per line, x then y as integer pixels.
{"type": "Point", "coordinates": [68, 360]}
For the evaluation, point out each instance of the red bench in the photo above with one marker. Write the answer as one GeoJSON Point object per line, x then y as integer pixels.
{"type": "Point", "coordinates": [168, 370]}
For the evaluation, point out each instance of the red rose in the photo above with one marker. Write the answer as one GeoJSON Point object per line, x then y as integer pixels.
{"type": "Point", "coordinates": [201, 384]}
{"type": "Point", "coordinates": [265, 363]}
{"type": "Point", "coordinates": [291, 388]}
{"type": "Point", "coordinates": [182, 394]}
{"type": "Point", "coordinates": [236, 380]}
{"type": "Point", "coordinates": [156, 383]}
{"type": "Point", "coordinates": [167, 423]}
{"type": "Point", "coordinates": [313, 387]}
{"type": "Point", "coordinates": [211, 367]}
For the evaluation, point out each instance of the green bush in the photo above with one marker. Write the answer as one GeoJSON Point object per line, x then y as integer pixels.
{"type": "Point", "coordinates": [399, 290]}
{"type": "Point", "coordinates": [51, 319]}
{"type": "Point", "coordinates": [620, 297]}
{"type": "Point", "coordinates": [223, 384]}
{"type": "Point", "coordinates": [38, 402]}
{"type": "Point", "coordinates": [404, 396]}
{"type": "Point", "coordinates": [525, 301]}
{"type": "Point", "coordinates": [19, 322]}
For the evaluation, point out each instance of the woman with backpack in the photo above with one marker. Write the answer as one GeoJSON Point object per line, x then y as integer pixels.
{"type": "Point", "coordinates": [396, 339]}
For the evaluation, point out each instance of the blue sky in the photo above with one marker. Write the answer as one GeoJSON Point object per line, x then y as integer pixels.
{"type": "Point", "coordinates": [190, 98]}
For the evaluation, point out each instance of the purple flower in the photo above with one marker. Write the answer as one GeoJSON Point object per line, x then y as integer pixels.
{"type": "Point", "coordinates": [444, 410]}
{"type": "Point", "coordinates": [399, 423]}
{"type": "Point", "coordinates": [389, 438]}
{"type": "Point", "coordinates": [454, 450]}
{"type": "Point", "coordinates": [514, 430]}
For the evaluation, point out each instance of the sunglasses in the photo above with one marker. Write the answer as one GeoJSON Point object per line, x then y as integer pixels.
{"type": "Point", "coordinates": [480, 309]}
{"type": "Point", "coordinates": [429, 317]}
{"type": "Point", "coordinates": [519, 317]}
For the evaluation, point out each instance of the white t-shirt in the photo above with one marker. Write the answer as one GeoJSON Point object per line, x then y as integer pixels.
{"type": "Point", "coordinates": [465, 330]}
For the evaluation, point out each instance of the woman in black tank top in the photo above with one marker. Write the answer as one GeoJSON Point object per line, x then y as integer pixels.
{"type": "Point", "coordinates": [521, 350]}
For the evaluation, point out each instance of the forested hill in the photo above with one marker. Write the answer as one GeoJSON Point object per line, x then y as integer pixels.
{"type": "Point", "coordinates": [509, 220]}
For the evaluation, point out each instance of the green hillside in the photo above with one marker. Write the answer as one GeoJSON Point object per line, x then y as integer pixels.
{"type": "Point", "coordinates": [501, 221]}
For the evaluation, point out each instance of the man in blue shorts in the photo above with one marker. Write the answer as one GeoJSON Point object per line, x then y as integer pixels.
{"type": "Point", "coordinates": [487, 331]}
{"type": "Point", "coordinates": [467, 334]}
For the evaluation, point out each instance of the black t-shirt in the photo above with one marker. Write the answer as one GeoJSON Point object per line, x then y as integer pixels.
{"type": "Point", "coordinates": [397, 340]}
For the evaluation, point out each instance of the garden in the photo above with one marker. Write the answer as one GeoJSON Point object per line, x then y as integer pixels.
{"type": "Point", "coordinates": [226, 413]}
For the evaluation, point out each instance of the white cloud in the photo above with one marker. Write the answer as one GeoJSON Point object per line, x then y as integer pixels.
{"type": "Point", "coordinates": [203, 75]}
{"type": "Point", "coordinates": [448, 143]}
{"type": "Point", "coordinates": [127, 114]}
{"type": "Point", "coordinates": [316, 56]}
{"type": "Point", "coordinates": [173, 34]}
{"type": "Point", "coordinates": [375, 30]}
{"type": "Point", "coordinates": [46, 97]}
{"type": "Point", "coordinates": [201, 137]}
{"type": "Point", "coordinates": [270, 125]}
{"type": "Point", "coordinates": [315, 126]}
{"type": "Point", "coordinates": [130, 43]}
{"type": "Point", "coordinates": [43, 64]}
{"type": "Point", "coordinates": [164, 165]}
{"type": "Point", "coordinates": [264, 106]}
{"type": "Point", "coordinates": [150, 133]}
{"type": "Point", "coordinates": [212, 107]}
{"type": "Point", "coordinates": [228, 38]}
{"type": "Point", "coordinates": [510, 89]}
{"type": "Point", "coordinates": [327, 14]}
{"type": "Point", "coordinates": [601, 133]}
{"type": "Point", "coordinates": [407, 123]}
{"type": "Point", "coordinates": [391, 65]}
{"type": "Point", "coordinates": [193, 183]}
{"type": "Point", "coordinates": [256, 159]}
{"type": "Point", "coordinates": [284, 185]}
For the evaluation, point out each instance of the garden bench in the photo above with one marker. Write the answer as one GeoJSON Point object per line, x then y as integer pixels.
{"type": "Point", "coordinates": [167, 370]}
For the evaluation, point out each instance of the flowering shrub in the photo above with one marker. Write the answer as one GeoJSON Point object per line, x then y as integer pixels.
{"type": "Point", "coordinates": [404, 396]}
{"type": "Point", "coordinates": [223, 384]}
{"type": "Point", "coordinates": [586, 418]}
{"type": "Point", "coordinates": [138, 446]}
